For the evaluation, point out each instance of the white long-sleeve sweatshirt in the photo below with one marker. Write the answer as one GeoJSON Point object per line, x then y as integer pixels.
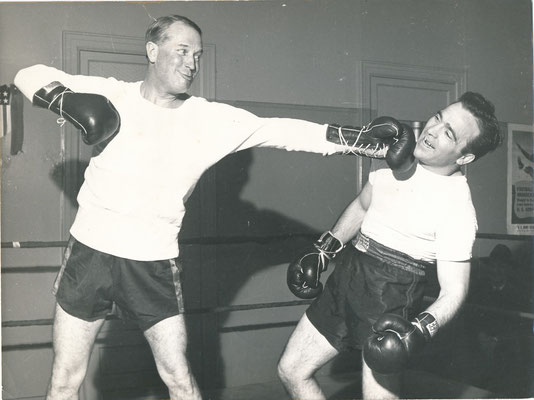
{"type": "Point", "coordinates": [131, 203]}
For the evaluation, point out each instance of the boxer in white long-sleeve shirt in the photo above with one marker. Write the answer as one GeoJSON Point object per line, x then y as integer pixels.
{"type": "Point", "coordinates": [124, 246]}
{"type": "Point", "coordinates": [142, 202]}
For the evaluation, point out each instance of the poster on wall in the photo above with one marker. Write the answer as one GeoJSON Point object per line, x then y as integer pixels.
{"type": "Point", "coordinates": [520, 187]}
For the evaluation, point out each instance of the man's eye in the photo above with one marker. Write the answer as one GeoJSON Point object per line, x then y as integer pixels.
{"type": "Point", "coordinates": [182, 52]}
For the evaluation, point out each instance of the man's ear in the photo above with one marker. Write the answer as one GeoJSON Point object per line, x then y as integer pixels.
{"type": "Point", "coordinates": [151, 51]}
{"type": "Point", "coordinates": [465, 159]}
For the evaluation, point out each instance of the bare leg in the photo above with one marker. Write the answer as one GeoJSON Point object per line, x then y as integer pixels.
{"type": "Point", "coordinates": [377, 386]}
{"type": "Point", "coordinates": [168, 341]}
{"type": "Point", "coordinates": [306, 351]}
{"type": "Point", "coordinates": [73, 341]}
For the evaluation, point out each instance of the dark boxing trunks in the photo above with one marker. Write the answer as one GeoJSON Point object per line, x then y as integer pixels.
{"type": "Point", "coordinates": [90, 282]}
{"type": "Point", "coordinates": [369, 280]}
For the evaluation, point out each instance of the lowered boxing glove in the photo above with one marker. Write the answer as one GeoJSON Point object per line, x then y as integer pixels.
{"type": "Point", "coordinates": [401, 150]}
{"type": "Point", "coordinates": [303, 274]}
{"type": "Point", "coordinates": [384, 137]}
{"type": "Point", "coordinates": [395, 340]}
{"type": "Point", "coordinates": [93, 114]}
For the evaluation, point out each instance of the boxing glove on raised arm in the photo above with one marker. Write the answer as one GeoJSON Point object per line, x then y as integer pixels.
{"type": "Point", "coordinates": [395, 340]}
{"type": "Point", "coordinates": [93, 114]}
{"type": "Point", "coordinates": [303, 274]}
{"type": "Point", "coordinates": [384, 137]}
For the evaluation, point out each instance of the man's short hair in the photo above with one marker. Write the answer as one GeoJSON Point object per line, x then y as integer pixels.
{"type": "Point", "coordinates": [156, 32]}
{"type": "Point", "coordinates": [490, 136]}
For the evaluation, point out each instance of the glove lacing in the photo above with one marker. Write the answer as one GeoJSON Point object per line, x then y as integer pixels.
{"type": "Point", "coordinates": [328, 252]}
{"type": "Point", "coordinates": [377, 151]}
{"type": "Point", "coordinates": [401, 337]}
{"type": "Point", "coordinates": [61, 120]}
{"type": "Point", "coordinates": [324, 255]}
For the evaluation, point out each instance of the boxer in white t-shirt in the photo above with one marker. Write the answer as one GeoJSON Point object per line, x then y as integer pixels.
{"type": "Point", "coordinates": [401, 222]}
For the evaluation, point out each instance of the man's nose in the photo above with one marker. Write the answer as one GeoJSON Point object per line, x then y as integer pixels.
{"type": "Point", "coordinates": [190, 63]}
{"type": "Point", "coordinates": [433, 130]}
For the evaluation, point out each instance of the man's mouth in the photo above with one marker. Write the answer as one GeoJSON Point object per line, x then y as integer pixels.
{"type": "Point", "coordinates": [187, 77]}
{"type": "Point", "coordinates": [427, 144]}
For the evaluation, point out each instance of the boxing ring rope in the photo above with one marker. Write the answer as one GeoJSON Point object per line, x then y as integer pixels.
{"type": "Point", "coordinates": [259, 306]}
{"type": "Point", "coordinates": [237, 240]}
{"type": "Point", "coordinates": [232, 308]}
{"type": "Point", "coordinates": [188, 241]}
{"type": "Point", "coordinates": [193, 311]}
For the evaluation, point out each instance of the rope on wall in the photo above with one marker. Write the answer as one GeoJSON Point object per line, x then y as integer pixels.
{"type": "Point", "coordinates": [238, 240]}
{"type": "Point", "coordinates": [193, 311]}
{"type": "Point", "coordinates": [188, 241]}
{"type": "Point", "coordinates": [233, 308]}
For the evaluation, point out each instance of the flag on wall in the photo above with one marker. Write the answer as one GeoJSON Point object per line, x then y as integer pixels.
{"type": "Point", "coordinates": [5, 97]}
{"type": "Point", "coordinates": [11, 121]}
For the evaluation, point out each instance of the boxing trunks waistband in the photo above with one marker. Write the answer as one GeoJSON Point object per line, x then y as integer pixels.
{"type": "Point", "coordinates": [391, 256]}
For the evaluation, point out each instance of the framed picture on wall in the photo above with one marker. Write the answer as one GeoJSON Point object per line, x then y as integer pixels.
{"type": "Point", "coordinates": [520, 186]}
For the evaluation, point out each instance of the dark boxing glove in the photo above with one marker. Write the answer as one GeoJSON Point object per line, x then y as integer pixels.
{"type": "Point", "coordinates": [303, 274]}
{"type": "Point", "coordinates": [384, 137]}
{"type": "Point", "coordinates": [93, 114]}
{"type": "Point", "coordinates": [395, 339]}
{"type": "Point", "coordinates": [402, 148]}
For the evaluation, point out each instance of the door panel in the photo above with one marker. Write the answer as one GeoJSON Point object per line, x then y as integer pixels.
{"type": "Point", "coordinates": [409, 92]}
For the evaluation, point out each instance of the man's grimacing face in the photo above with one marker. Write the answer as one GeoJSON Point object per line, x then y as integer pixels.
{"type": "Point", "coordinates": [176, 60]}
{"type": "Point", "coordinates": [444, 137]}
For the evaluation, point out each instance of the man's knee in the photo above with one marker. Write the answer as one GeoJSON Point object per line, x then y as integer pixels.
{"type": "Point", "coordinates": [65, 381]}
{"type": "Point", "coordinates": [284, 371]}
{"type": "Point", "coordinates": [290, 370]}
{"type": "Point", "coordinates": [180, 383]}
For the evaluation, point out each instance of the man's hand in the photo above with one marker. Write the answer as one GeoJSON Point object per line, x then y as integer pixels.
{"type": "Point", "coordinates": [303, 274]}
{"type": "Point", "coordinates": [93, 114]}
{"type": "Point", "coordinates": [395, 340]}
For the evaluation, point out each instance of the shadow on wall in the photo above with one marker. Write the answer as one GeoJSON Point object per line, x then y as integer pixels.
{"type": "Point", "coordinates": [246, 273]}
{"type": "Point", "coordinates": [481, 348]}
{"type": "Point", "coordinates": [233, 267]}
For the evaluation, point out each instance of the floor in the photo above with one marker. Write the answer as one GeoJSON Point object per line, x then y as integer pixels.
{"type": "Point", "coordinates": [419, 385]}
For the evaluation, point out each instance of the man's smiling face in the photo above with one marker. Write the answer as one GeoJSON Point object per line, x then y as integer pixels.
{"type": "Point", "coordinates": [440, 145]}
{"type": "Point", "coordinates": [176, 59]}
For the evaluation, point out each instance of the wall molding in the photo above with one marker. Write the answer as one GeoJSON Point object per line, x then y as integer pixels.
{"type": "Point", "coordinates": [451, 81]}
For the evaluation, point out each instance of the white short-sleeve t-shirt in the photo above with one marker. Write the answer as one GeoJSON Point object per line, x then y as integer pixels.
{"type": "Point", "coordinates": [427, 216]}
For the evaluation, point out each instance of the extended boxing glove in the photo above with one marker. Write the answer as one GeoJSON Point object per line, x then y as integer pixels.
{"type": "Point", "coordinates": [395, 340]}
{"type": "Point", "coordinates": [93, 114]}
{"type": "Point", "coordinates": [384, 137]}
{"type": "Point", "coordinates": [303, 274]}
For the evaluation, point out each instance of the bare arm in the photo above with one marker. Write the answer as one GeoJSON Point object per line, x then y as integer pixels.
{"type": "Point", "coordinates": [350, 221]}
{"type": "Point", "coordinates": [453, 277]}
